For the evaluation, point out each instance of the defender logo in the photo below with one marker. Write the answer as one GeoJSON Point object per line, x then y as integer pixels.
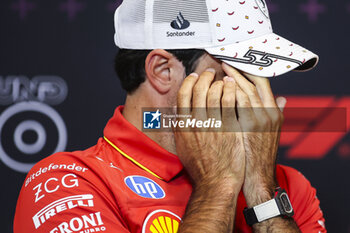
{"type": "Point", "coordinates": [180, 23]}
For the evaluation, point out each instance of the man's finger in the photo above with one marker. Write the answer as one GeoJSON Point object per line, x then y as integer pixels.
{"type": "Point", "coordinates": [273, 109]}
{"type": "Point", "coordinates": [184, 96]}
{"type": "Point", "coordinates": [213, 100]}
{"type": "Point", "coordinates": [281, 102]}
{"type": "Point", "coordinates": [246, 115]}
{"type": "Point", "coordinates": [264, 89]}
{"type": "Point", "coordinates": [228, 103]}
{"type": "Point", "coordinates": [200, 92]}
{"type": "Point", "coordinates": [245, 85]}
{"type": "Point", "coordinates": [201, 88]}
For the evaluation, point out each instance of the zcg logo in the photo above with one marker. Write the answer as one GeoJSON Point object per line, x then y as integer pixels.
{"type": "Point", "coordinates": [144, 187]}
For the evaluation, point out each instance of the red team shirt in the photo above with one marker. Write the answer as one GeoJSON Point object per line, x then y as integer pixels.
{"type": "Point", "coordinates": [128, 183]}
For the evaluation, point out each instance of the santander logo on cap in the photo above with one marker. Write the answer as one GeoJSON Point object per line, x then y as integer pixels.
{"type": "Point", "coordinates": [180, 22]}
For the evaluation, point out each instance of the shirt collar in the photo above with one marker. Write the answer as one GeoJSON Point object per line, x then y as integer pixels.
{"type": "Point", "coordinates": [140, 149]}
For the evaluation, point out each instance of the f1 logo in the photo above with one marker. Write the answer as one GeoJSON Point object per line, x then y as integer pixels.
{"type": "Point", "coordinates": [318, 132]}
{"type": "Point", "coordinates": [144, 187]}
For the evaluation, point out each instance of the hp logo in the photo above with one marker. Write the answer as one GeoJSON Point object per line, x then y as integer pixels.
{"type": "Point", "coordinates": [144, 187]}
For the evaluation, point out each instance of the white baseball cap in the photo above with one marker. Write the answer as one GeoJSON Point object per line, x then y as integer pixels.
{"type": "Point", "coordinates": [238, 32]}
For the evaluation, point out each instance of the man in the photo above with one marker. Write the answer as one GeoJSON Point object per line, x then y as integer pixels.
{"type": "Point", "coordinates": [186, 180]}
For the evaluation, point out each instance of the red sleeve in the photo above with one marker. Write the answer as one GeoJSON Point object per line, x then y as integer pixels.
{"type": "Point", "coordinates": [64, 195]}
{"type": "Point", "coordinates": [307, 212]}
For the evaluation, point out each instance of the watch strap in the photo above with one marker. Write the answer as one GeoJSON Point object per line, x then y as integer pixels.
{"type": "Point", "coordinates": [261, 212]}
{"type": "Point", "coordinates": [250, 216]}
{"type": "Point", "coordinates": [266, 210]}
{"type": "Point", "coordinates": [279, 205]}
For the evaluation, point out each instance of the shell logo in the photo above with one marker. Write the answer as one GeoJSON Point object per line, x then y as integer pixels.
{"type": "Point", "coordinates": [161, 221]}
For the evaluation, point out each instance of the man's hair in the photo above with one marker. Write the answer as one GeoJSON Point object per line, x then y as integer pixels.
{"type": "Point", "coordinates": [130, 65]}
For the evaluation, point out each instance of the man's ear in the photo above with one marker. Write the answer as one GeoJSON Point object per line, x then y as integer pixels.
{"type": "Point", "coordinates": [157, 67]}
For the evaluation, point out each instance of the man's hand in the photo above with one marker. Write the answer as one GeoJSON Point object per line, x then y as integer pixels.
{"type": "Point", "coordinates": [215, 161]}
{"type": "Point", "coordinates": [210, 157]}
{"type": "Point", "coordinates": [260, 117]}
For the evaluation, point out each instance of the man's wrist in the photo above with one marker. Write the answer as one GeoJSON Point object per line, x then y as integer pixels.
{"type": "Point", "coordinates": [257, 192]}
{"type": "Point", "coordinates": [218, 184]}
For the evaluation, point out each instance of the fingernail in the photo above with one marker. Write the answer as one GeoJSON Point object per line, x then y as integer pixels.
{"type": "Point", "coordinates": [229, 79]}
{"type": "Point", "coordinates": [211, 70]}
{"type": "Point", "coordinates": [194, 75]}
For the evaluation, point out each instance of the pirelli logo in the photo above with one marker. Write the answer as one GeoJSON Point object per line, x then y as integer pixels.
{"type": "Point", "coordinates": [61, 205]}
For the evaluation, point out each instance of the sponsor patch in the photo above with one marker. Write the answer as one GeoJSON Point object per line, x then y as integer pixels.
{"type": "Point", "coordinates": [52, 166]}
{"type": "Point", "coordinates": [84, 223]}
{"type": "Point", "coordinates": [180, 22]}
{"type": "Point", "coordinates": [53, 184]}
{"type": "Point", "coordinates": [144, 187]}
{"type": "Point", "coordinates": [160, 221]}
{"type": "Point", "coordinates": [62, 205]}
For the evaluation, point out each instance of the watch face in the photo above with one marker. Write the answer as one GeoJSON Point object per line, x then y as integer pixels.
{"type": "Point", "coordinates": [286, 203]}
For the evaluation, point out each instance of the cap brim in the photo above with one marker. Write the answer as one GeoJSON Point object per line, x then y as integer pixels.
{"type": "Point", "coordinates": [266, 56]}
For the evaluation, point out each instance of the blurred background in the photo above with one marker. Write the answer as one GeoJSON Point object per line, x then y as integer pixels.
{"type": "Point", "coordinates": [58, 89]}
